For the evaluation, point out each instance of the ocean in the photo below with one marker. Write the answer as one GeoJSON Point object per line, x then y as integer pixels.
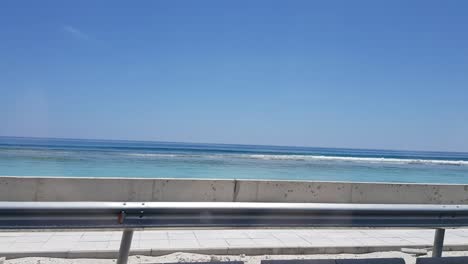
{"type": "Point", "coordinates": [141, 159]}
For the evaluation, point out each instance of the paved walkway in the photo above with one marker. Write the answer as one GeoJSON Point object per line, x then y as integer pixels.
{"type": "Point", "coordinates": [220, 241]}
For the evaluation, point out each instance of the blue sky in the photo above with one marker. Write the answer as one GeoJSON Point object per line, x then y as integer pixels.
{"type": "Point", "coordinates": [362, 74]}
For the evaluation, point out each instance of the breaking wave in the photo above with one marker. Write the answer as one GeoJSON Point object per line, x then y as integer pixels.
{"type": "Point", "coordinates": [310, 158]}
{"type": "Point", "coordinates": [359, 159]}
{"type": "Point", "coordinates": [160, 155]}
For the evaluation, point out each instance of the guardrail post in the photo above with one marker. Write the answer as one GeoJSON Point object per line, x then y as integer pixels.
{"type": "Point", "coordinates": [438, 243]}
{"type": "Point", "coordinates": [125, 244]}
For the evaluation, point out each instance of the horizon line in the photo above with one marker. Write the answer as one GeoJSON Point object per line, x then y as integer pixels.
{"type": "Point", "coordinates": [233, 144]}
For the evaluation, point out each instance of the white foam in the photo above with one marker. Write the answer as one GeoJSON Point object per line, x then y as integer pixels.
{"type": "Point", "coordinates": [358, 159]}
{"type": "Point", "coordinates": [157, 155]}
{"type": "Point", "coordinates": [310, 158]}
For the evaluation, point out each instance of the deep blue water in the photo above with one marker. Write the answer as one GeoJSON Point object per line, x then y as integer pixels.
{"type": "Point", "coordinates": [107, 158]}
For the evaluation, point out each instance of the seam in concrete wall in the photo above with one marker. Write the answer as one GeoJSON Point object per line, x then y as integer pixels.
{"type": "Point", "coordinates": [235, 191]}
{"type": "Point", "coordinates": [36, 191]}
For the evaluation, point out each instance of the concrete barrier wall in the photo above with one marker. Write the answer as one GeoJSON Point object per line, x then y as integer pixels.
{"type": "Point", "coordinates": [126, 189]}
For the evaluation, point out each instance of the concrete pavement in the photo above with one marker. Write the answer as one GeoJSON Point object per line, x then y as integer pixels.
{"type": "Point", "coordinates": [105, 244]}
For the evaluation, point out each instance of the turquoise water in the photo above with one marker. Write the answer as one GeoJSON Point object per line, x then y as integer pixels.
{"type": "Point", "coordinates": [105, 158]}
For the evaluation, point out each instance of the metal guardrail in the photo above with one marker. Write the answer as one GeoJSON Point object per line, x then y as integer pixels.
{"type": "Point", "coordinates": [133, 215]}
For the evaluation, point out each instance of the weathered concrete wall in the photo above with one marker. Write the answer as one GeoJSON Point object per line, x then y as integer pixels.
{"type": "Point", "coordinates": [125, 189]}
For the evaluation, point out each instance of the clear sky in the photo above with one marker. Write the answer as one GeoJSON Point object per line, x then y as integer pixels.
{"type": "Point", "coordinates": [362, 74]}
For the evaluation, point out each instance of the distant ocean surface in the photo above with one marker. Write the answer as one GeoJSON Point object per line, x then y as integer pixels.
{"type": "Point", "coordinates": [107, 158]}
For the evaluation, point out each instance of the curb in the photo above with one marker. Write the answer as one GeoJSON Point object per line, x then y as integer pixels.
{"type": "Point", "coordinates": [109, 254]}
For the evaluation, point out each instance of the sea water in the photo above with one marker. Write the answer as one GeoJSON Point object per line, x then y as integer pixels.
{"type": "Point", "coordinates": [141, 159]}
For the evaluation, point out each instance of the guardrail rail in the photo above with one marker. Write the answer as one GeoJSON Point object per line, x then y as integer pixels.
{"type": "Point", "coordinates": [129, 216]}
